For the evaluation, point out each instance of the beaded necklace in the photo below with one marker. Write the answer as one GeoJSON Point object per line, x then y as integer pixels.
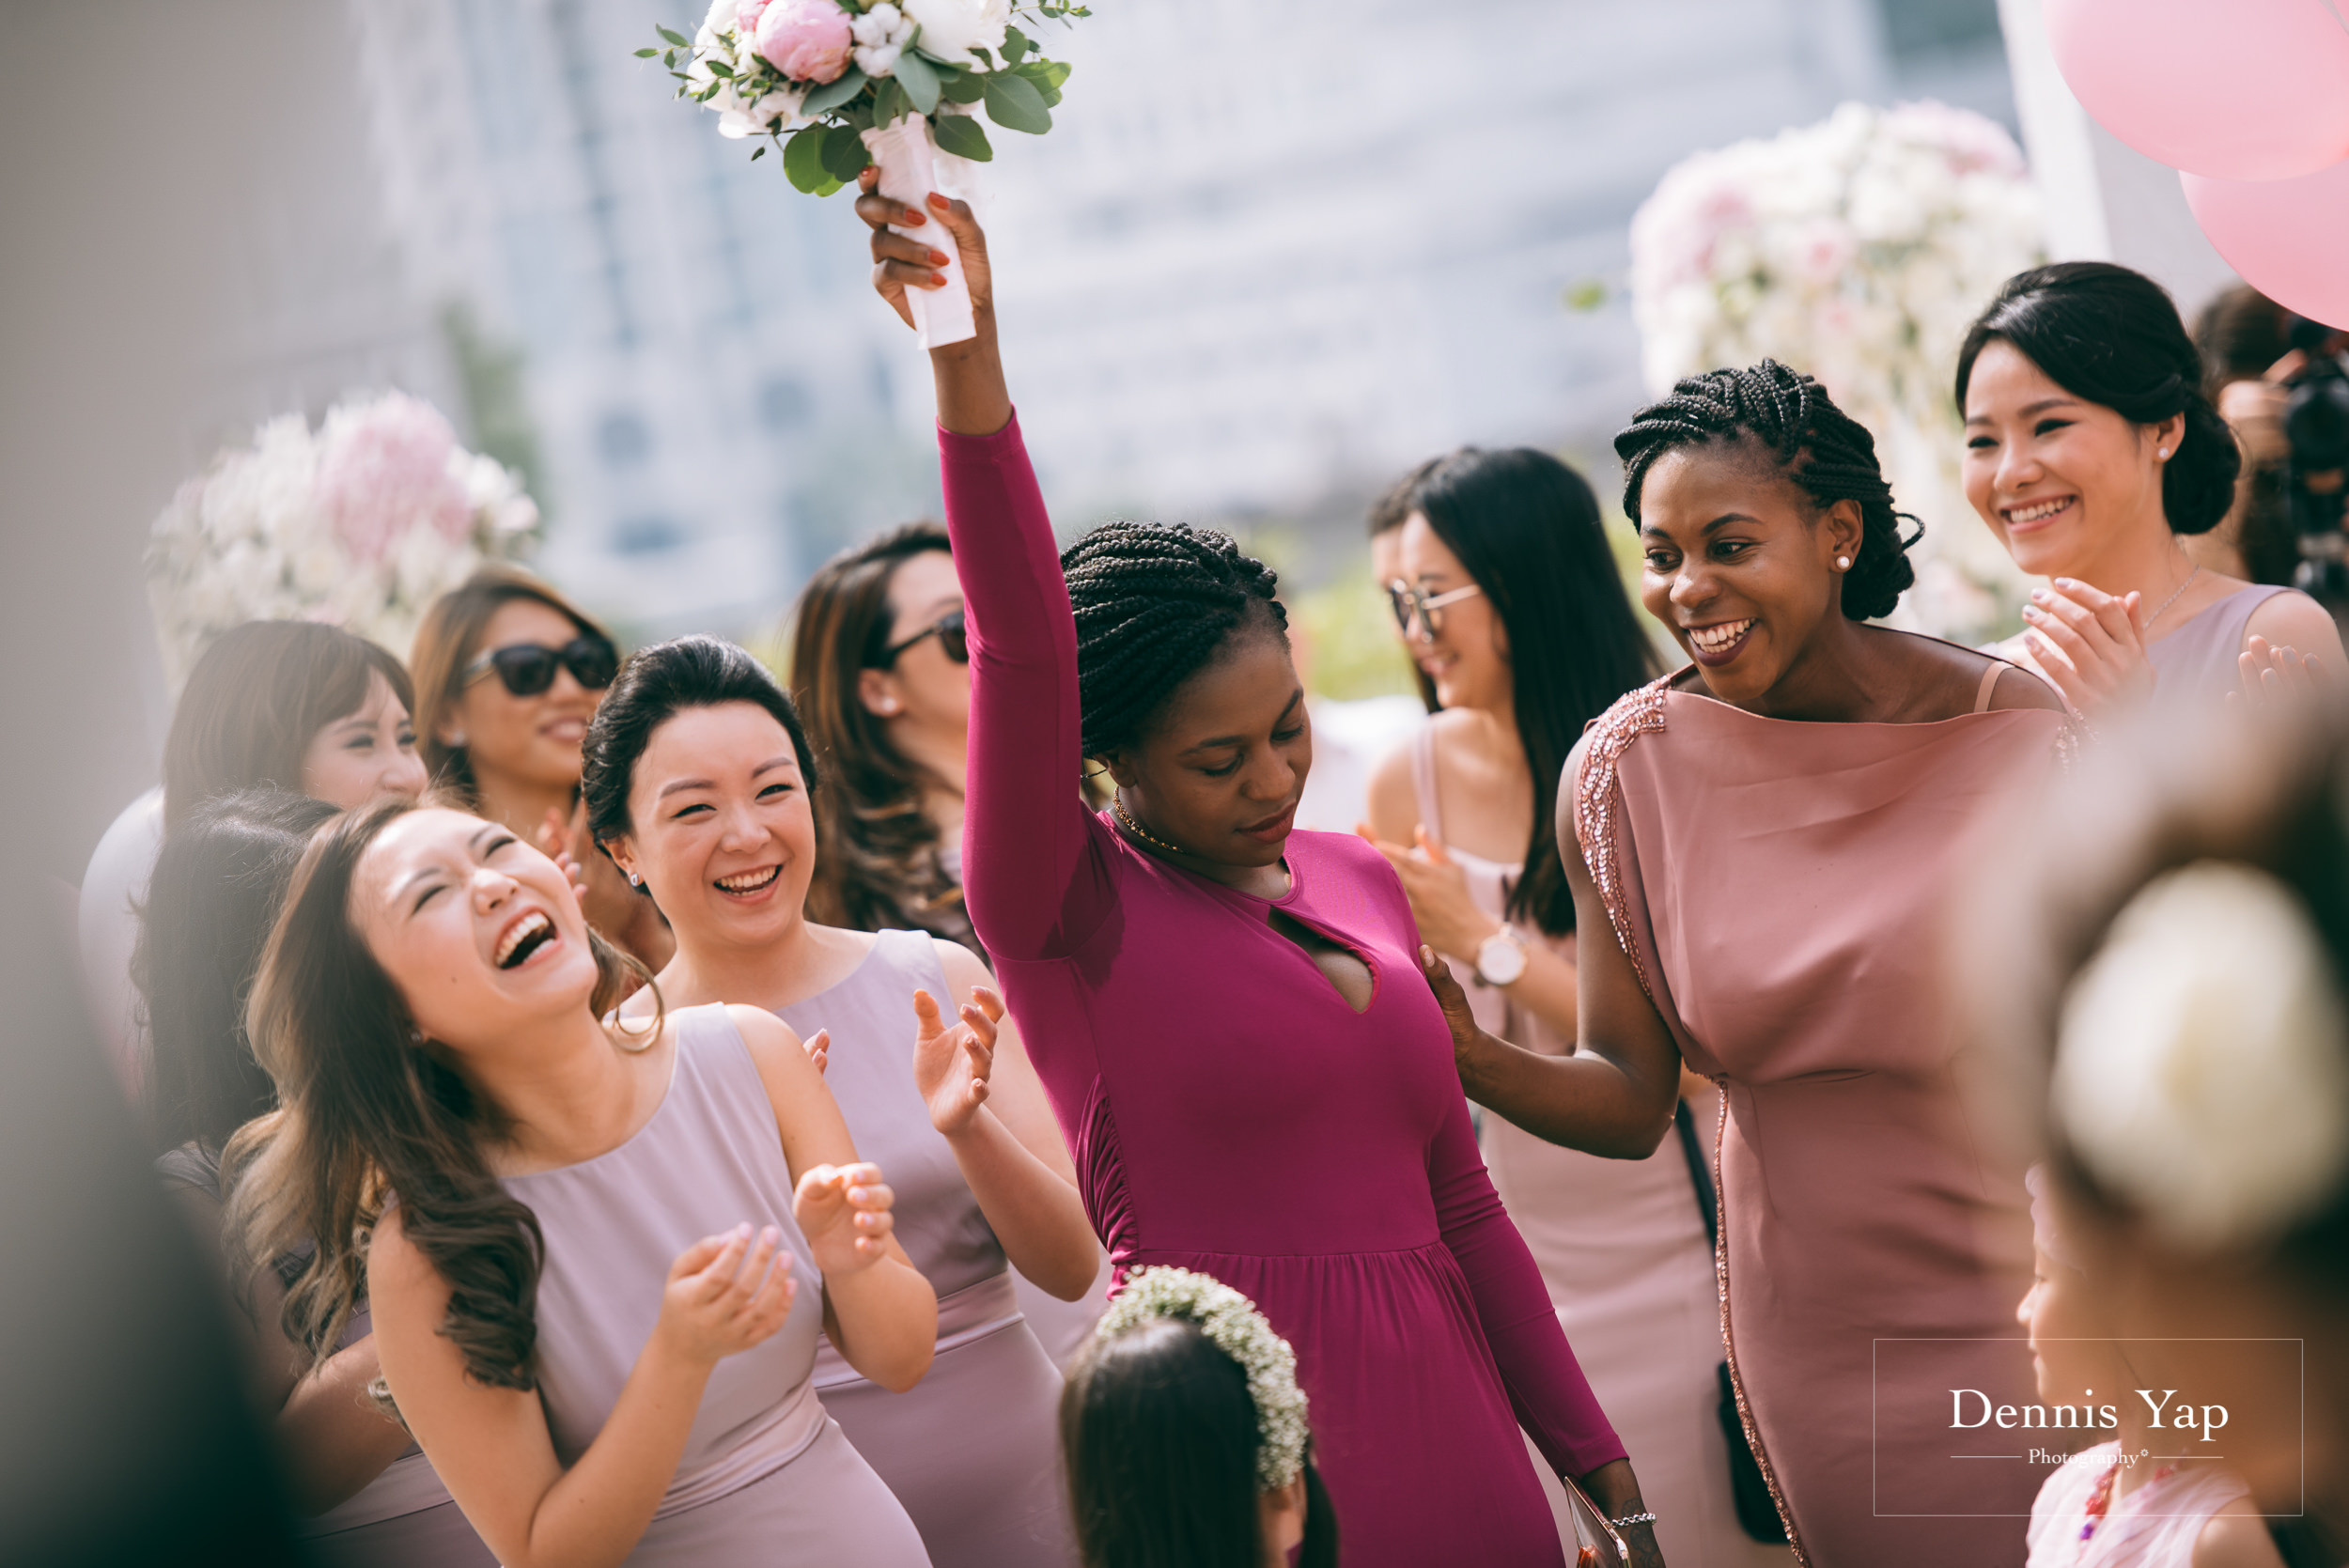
{"type": "Point", "coordinates": [2100, 1501]}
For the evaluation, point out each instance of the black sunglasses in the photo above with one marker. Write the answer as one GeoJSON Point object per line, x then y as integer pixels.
{"type": "Point", "coordinates": [952, 638]}
{"type": "Point", "coordinates": [528, 668]}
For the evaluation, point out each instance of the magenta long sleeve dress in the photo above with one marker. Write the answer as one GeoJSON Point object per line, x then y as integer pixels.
{"type": "Point", "coordinates": [1229, 1113]}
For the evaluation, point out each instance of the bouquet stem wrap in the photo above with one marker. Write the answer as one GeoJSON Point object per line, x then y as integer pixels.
{"type": "Point", "coordinates": [909, 173]}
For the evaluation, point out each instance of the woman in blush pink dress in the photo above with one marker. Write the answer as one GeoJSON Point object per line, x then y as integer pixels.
{"type": "Point", "coordinates": [1765, 840]}
{"type": "Point", "coordinates": [1253, 1077]}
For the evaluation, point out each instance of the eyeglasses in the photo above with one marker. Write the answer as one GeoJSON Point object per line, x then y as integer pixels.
{"type": "Point", "coordinates": [1411, 602]}
{"type": "Point", "coordinates": [952, 639]}
{"type": "Point", "coordinates": [528, 668]}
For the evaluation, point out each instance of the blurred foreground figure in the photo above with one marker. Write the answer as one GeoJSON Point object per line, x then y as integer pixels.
{"type": "Point", "coordinates": [124, 1435]}
{"type": "Point", "coordinates": [2173, 939]}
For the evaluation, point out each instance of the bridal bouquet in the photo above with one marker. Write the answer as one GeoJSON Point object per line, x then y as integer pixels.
{"type": "Point", "coordinates": [1858, 250]}
{"type": "Point", "coordinates": [841, 84]}
{"type": "Point", "coordinates": [362, 524]}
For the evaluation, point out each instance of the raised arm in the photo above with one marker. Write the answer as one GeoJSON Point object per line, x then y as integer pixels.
{"type": "Point", "coordinates": [1037, 886]}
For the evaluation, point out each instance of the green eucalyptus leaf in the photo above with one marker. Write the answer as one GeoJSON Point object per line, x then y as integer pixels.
{"type": "Point", "coordinates": [756, 153]}
{"type": "Point", "coordinates": [647, 52]}
{"type": "Point", "coordinates": [828, 187]}
{"type": "Point", "coordinates": [720, 69]}
{"type": "Point", "coordinates": [969, 88]}
{"type": "Point", "coordinates": [889, 100]}
{"type": "Point", "coordinates": [845, 156]}
{"type": "Point", "coordinates": [1015, 45]}
{"type": "Point", "coordinates": [834, 94]}
{"type": "Point", "coordinates": [1013, 102]}
{"type": "Point", "coordinates": [963, 136]}
{"type": "Point", "coordinates": [803, 160]}
{"type": "Point", "coordinates": [917, 82]}
{"type": "Point", "coordinates": [677, 38]}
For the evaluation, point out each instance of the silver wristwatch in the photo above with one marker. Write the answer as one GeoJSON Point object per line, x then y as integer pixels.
{"type": "Point", "coordinates": [1500, 958]}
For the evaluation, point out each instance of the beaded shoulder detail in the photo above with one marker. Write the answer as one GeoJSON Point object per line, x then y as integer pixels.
{"type": "Point", "coordinates": [1594, 795]}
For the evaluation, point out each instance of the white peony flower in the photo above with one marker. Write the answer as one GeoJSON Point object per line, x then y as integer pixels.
{"type": "Point", "coordinates": [951, 29]}
{"type": "Point", "coordinates": [2202, 1059]}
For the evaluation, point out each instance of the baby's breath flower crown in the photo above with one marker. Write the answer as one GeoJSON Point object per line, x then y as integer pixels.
{"type": "Point", "coordinates": [1233, 1325]}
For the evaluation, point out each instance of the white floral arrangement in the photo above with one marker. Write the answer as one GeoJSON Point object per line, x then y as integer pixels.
{"type": "Point", "coordinates": [1233, 1325]}
{"type": "Point", "coordinates": [361, 523]}
{"type": "Point", "coordinates": [2202, 1067]}
{"type": "Point", "coordinates": [826, 72]}
{"type": "Point", "coordinates": [1858, 250]}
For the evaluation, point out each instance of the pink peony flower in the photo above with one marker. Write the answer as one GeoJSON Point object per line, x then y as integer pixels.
{"type": "Point", "coordinates": [746, 15]}
{"type": "Point", "coordinates": [385, 470]}
{"type": "Point", "coordinates": [807, 40]}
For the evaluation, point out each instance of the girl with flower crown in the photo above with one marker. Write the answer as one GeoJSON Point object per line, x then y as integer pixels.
{"type": "Point", "coordinates": [1184, 1434]}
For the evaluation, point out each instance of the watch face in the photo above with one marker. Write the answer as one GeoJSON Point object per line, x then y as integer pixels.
{"type": "Point", "coordinates": [1500, 960]}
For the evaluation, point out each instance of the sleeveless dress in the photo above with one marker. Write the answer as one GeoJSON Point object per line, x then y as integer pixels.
{"type": "Point", "coordinates": [1230, 1112]}
{"type": "Point", "coordinates": [2152, 1526]}
{"type": "Point", "coordinates": [1621, 1244]}
{"type": "Point", "coordinates": [2196, 662]}
{"type": "Point", "coordinates": [993, 1503]}
{"type": "Point", "coordinates": [404, 1518]}
{"type": "Point", "coordinates": [767, 1476]}
{"type": "Point", "coordinates": [1779, 889]}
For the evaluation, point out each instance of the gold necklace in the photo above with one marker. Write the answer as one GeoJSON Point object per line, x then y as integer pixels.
{"type": "Point", "coordinates": [1117, 804]}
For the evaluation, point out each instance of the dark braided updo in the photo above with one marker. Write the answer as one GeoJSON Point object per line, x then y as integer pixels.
{"type": "Point", "coordinates": [1155, 603]}
{"type": "Point", "coordinates": [1822, 448]}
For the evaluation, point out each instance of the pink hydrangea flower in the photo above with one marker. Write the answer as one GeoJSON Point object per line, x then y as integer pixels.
{"type": "Point", "coordinates": [385, 470]}
{"type": "Point", "coordinates": [807, 40]}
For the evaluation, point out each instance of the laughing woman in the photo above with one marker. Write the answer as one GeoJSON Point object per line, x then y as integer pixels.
{"type": "Point", "coordinates": [2092, 453]}
{"type": "Point", "coordinates": [1767, 842]}
{"type": "Point", "coordinates": [1226, 1015]}
{"type": "Point", "coordinates": [598, 1259]}
{"type": "Point", "coordinates": [698, 783]}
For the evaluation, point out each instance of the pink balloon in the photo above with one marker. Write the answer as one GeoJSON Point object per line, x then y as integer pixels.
{"type": "Point", "coordinates": [2288, 237]}
{"type": "Point", "coordinates": [2233, 89]}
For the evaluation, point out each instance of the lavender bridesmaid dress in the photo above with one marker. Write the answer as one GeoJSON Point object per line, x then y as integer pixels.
{"type": "Point", "coordinates": [1780, 888]}
{"type": "Point", "coordinates": [1621, 1244]}
{"type": "Point", "coordinates": [767, 1477]}
{"type": "Point", "coordinates": [2197, 661]}
{"type": "Point", "coordinates": [972, 1451]}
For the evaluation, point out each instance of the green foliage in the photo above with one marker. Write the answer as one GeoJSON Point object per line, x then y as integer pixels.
{"type": "Point", "coordinates": [844, 154]}
{"type": "Point", "coordinates": [918, 80]}
{"type": "Point", "coordinates": [833, 94]}
{"type": "Point", "coordinates": [1014, 104]}
{"type": "Point", "coordinates": [1349, 637]}
{"type": "Point", "coordinates": [963, 136]}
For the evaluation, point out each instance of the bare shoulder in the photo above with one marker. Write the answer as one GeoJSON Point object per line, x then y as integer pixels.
{"type": "Point", "coordinates": [2236, 1537]}
{"type": "Point", "coordinates": [961, 968]}
{"type": "Point", "coordinates": [2019, 688]}
{"type": "Point", "coordinates": [1393, 795]}
{"type": "Point", "coordinates": [764, 1035]}
{"type": "Point", "coordinates": [398, 1271]}
{"type": "Point", "coordinates": [2294, 620]}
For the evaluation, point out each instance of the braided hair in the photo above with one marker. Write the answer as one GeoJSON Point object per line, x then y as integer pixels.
{"type": "Point", "coordinates": [1822, 448]}
{"type": "Point", "coordinates": [1155, 603]}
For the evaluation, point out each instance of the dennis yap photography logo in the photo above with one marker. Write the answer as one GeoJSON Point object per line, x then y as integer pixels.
{"type": "Point", "coordinates": [1971, 1408]}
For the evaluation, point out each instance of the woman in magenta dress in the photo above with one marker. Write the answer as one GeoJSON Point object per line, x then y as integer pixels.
{"type": "Point", "coordinates": [1230, 1018]}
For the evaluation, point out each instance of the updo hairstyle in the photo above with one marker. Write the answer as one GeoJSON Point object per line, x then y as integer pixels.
{"type": "Point", "coordinates": [2113, 337]}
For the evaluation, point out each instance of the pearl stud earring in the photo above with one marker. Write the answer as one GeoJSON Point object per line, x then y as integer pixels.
{"type": "Point", "coordinates": [1843, 563]}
